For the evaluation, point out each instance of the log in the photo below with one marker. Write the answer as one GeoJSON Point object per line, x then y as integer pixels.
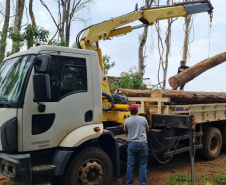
{"type": "Point", "coordinates": [135, 92]}
{"type": "Point", "coordinates": [194, 71]}
{"type": "Point", "coordinates": [189, 97]}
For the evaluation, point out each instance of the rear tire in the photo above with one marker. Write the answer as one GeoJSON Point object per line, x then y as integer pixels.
{"type": "Point", "coordinates": [91, 166]}
{"type": "Point", "coordinates": [212, 143]}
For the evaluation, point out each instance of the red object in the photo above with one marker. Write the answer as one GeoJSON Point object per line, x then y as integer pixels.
{"type": "Point", "coordinates": [219, 119]}
{"type": "Point", "coordinates": [207, 120]}
{"type": "Point", "coordinates": [134, 108]}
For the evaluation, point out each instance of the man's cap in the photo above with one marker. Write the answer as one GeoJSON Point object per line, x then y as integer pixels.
{"type": "Point", "coordinates": [134, 108]}
{"type": "Point", "coordinates": [182, 61]}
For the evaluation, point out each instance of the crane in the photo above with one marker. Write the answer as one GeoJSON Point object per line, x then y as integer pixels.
{"type": "Point", "coordinates": [116, 26]}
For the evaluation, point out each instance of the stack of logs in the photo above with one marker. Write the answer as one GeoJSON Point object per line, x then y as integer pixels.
{"type": "Point", "coordinates": [178, 97]}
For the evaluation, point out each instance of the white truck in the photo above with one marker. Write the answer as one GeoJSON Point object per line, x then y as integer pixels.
{"type": "Point", "coordinates": [56, 114]}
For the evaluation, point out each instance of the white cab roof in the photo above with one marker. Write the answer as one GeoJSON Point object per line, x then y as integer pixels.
{"type": "Point", "coordinates": [48, 49]}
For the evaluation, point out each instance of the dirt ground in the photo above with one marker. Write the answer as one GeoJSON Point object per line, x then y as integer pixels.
{"type": "Point", "coordinates": [158, 173]}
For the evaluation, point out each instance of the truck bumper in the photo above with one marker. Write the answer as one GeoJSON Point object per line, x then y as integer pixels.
{"type": "Point", "coordinates": [17, 167]}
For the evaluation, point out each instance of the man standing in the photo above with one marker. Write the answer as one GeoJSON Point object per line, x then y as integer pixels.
{"type": "Point", "coordinates": [180, 69]}
{"type": "Point", "coordinates": [136, 127]}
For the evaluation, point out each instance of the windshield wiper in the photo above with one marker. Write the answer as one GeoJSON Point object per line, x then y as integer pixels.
{"type": "Point", "coordinates": [4, 104]}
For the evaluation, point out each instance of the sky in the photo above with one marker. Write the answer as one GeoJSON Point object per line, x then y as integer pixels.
{"type": "Point", "coordinates": [207, 41]}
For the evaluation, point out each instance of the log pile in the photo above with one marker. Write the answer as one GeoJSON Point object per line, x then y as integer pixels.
{"type": "Point", "coordinates": [134, 92]}
{"type": "Point", "coordinates": [178, 97]}
{"type": "Point", "coordinates": [189, 97]}
{"type": "Point", "coordinates": [194, 71]}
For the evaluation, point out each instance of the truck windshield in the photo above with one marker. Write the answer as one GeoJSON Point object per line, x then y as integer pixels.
{"type": "Point", "coordinates": [12, 76]}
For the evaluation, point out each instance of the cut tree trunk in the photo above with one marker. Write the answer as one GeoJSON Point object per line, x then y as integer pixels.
{"type": "Point", "coordinates": [189, 97]}
{"type": "Point", "coordinates": [194, 71]}
{"type": "Point", "coordinates": [135, 92]}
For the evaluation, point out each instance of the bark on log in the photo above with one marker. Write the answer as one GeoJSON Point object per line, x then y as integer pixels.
{"type": "Point", "coordinates": [194, 71]}
{"type": "Point", "coordinates": [189, 97]}
{"type": "Point", "coordinates": [135, 92]}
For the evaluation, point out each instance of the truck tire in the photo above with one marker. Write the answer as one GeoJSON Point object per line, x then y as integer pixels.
{"type": "Point", "coordinates": [223, 132]}
{"type": "Point", "coordinates": [212, 143]}
{"type": "Point", "coordinates": [91, 166]}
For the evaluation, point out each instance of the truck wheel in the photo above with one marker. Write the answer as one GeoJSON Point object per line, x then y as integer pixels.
{"type": "Point", "coordinates": [212, 143]}
{"type": "Point", "coordinates": [91, 166]}
{"type": "Point", "coordinates": [223, 132]}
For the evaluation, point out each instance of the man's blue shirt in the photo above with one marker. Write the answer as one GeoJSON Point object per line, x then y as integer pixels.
{"type": "Point", "coordinates": [182, 67]}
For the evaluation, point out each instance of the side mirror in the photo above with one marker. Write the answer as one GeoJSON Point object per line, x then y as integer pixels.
{"type": "Point", "coordinates": [41, 87]}
{"type": "Point", "coordinates": [42, 63]}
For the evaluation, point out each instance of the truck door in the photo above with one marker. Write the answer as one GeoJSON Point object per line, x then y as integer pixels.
{"type": "Point", "coordinates": [71, 104]}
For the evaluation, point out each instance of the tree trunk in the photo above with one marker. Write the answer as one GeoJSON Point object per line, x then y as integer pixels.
{"type": "Point", "coordinates": [31, 13]}
{"type": "Point", "coordinates": [18, 20]}
{"type": "Point", "coordinates": [163, 63]}
{"type": "Point", "coordinates": [194, 71]}
{"type": "Point", "coordinates": [135, 93]}
{"type": "Point", "coordinates": [189, 97]}
{"type": "Point", "coordinates": [168, 44]}
{"type": "Point", "coordinates": [143, 39]}
{"type": "Point", "coordinates": [5, 30]}
{"type": "Point", "coordinates": [186, 37]}
{"type": "Point", "coordinates": [141, 51]}
{"type": "Point", "coordinates": [68, 25]}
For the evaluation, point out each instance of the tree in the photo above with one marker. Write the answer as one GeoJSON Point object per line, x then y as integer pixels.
{"type": "Point", "coordinates": [142, 40]}
{"type": "Point", "coordinates": [107, 64]}
{"type": "Point", "coordinates": [130, 79]}
{"type": "Point", "coordinates": [67, 9]}
{"type": "Point", "coordinates": [163, 63]}
{"type": "Point", "coordinates": [18, 21]}
{"type": "Point", "coordinates": [4, 30]}
{"type": "Point", "coordinates": [31, 13]}
{"type": "Point", "coordinates": [187, 30]}
{"type": "Point", "coordinates": [30, 36]}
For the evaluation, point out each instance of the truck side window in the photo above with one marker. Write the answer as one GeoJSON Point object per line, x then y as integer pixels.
{"type": "Point", "coordinates": [73, 79]}
{"type": "Point", "coordinates": [67, 75]}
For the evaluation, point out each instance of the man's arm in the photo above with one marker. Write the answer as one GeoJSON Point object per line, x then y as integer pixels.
{"type": "Point", "coordinates": [179, 70]}
{"type": "Point", "coordinates": [147, 126]}
{"type": "Point", "coordinates": [125, 129]}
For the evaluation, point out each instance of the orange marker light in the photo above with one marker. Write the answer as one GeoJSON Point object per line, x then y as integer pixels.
{"type": "Point", "coordinates": [97, 129]}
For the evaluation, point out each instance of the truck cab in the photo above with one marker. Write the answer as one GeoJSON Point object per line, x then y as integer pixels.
{"type": "Point", "coordinates": [51, 104]}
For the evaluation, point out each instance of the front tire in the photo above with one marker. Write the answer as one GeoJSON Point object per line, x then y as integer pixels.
{"type": "Point", "coordinates": [212, 143]}
{"type": "Point", "coordinates": [91, 166]}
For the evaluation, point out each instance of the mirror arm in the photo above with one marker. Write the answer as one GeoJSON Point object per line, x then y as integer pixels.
{"type": "Point", "coordinates": [41, 107]}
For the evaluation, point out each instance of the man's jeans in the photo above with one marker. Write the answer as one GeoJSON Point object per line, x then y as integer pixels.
{"type": "Point", "coordinates": [137, 151]}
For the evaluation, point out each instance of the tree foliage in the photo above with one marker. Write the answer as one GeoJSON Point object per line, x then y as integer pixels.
{"type": "Point", "coordinates": [29, 36]}
{"type": "Point", "coordinates": [107, 64]}
{"type": "Point", "coordinates": [130, 79]}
